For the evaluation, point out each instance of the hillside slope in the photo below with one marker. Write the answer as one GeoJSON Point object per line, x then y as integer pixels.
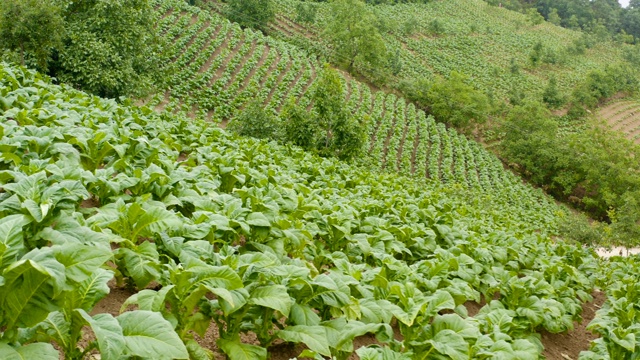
{"type": "Point", "coordinates": [250, 237]}
{"type": "Point", "coordinates": [491, 45]}
{"type": "Point", "coordinates": [220, 68]}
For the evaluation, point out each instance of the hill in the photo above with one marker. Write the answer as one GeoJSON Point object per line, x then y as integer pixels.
{"type": "Point", "coordinates": [254, 239]}
{"type": "Point", "coordinates": [492, 45]}
{"type": "Point", "coordinates": [220, 68]}
{"type": "Point", "coordinates": [624, 117]}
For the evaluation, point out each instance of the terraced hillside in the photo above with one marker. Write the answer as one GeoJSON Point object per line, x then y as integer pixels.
{"type": "Point", "coordinates": [471, 37]}
{"type": "Point", "coordinates": [623, 116]}
{"type": "Point", "coordinates": [271, 248]}
{"type": "Point", "coordinates": [220, 68]}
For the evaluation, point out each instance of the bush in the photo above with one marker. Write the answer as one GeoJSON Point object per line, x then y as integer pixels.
{"type": "Point", "coordinates": [254, 121]}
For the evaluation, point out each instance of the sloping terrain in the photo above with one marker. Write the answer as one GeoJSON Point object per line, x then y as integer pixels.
{"type": "Point", "coordinates": [256, 239]}
{"type": "Point", "coordinates": [624, 117]}
{"type": "Point", "coordinates": [491, 45]}
{"type": "Point", "coordinates": [217, 75]}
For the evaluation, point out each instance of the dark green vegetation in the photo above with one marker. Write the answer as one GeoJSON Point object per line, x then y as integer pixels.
{"type": "Point", "coordinates": [106, 47]}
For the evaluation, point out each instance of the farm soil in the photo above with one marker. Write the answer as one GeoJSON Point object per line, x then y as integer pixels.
{"type": "Point", "coordinates": [557, 346]}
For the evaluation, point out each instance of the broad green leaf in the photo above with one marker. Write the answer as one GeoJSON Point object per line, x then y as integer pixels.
{"type": "Point", "coordinates": [147, 334]}
{"type": "Point", "coordinates": [108, 332]}
{"type": "Point", "coordinates": [456, 324]}
{"type": "Point", "coordinates": [45, 258]}
{"type": "Point", "coordinates": [525, 350]}
{"type": "Point", "coordinates": [441, 300]}
{"type": "Point", "coordinates": [315, 337]}
{"type": "Point", "coordinates": [304, 315]}
{"type": "Point", "coordinates": [11, 239]}
{"type": "Point", "coordinates": [236, 350]}
{"type": "Point", "coordinates": [57, 326]}
{"type": "Point", "coordinates": [91, 290]}
{"type": "Point", "coordinates": [142, 263]}
{"type": "Point", "coordinates": [449, 343]}
{"type": "Point", "coordinates": [26, 297]}
{"type": "Point", "coordinates": [81, 260]}
{"type": "Point", "coordinates": [258, 219]}
{"type": "Point", "coordinates": [150, 300]}
{"type": "Point", "coordinates": [273, 297]}
{"type": "Point", "coordinates": [197, 352]}
{"type": "Point", "coordinates": [39, 351]}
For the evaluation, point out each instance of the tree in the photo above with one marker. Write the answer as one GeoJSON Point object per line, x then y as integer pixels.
{"type": "Point", "coordinates": [553, 17]}
{"type": "Point", "coordinates": [551, 96]}
{"type": "Point", "coordinates": [353, 35]}
{"type": "Point", "coordinates": [457, 103]}
{"type": "Point", "coordinates": [109, 47]}
{"type": "Point", "coordinates": [31, 26]}
{"type": "Point", "coordinates": [299, 127]}
{"type": "Point", "coordinates": [531, 141]}
{"type": "Point", "coordinates": [255, 14]}
{"type": "Point", "coordinates": [256, 122]}
{"type": "Point", "coordinates": [341, 134]}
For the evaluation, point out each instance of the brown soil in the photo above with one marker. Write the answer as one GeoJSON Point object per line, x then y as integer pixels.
{"type": "Point", "coordinates": [278, 81]}
{"type": "Point", "coordinates": [568, 346]}
{"type": "Point", "coordinates": [241, 64]}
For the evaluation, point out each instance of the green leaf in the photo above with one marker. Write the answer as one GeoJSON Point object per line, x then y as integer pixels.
{"type": "Point", "coordinates": [11, 240]}
{"type": "Point", "coordinates": [26, 297]}
{"type": "Point", "coordinates": [142, 264]}
{"type": "Point", "coordinates": [108, 332]}
{"type": "Point", "coordinates": [197, 352]}
{"type": "Point", "coordinates": [315, 337]}
{"type": "Point", "coordinates": [449, 343]}
{"type": "Point", "coordinates": [439, 301]}
{"type": "Point", "coordinates": [147, 334]}
{"type": "Point", "coordinates": [33, 351]}
{"type": "Point", "coordinates": [273, 297]}
{"type": "Point", "coordinates": [91, 290]}
{"type": "Point", "coordinates": [456, 324]}
{"type": "Point", "coordinates": [81, 260]}
{"type": "Point", "coordinates": [258, 219]}
{"type": "Point", "coordinates": [304, 315]}
{"type": "Point", "coordinates": [236, 350]}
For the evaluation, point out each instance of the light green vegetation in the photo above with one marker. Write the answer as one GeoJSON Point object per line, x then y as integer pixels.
{"type": "Point", "coordinates": [401, 138]}
{"type": "Point", "coordinates": [469, 37]}
{"type": "Point", "coordinates": [255, 237]}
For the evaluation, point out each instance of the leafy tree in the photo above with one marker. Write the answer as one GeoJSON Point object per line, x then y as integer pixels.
{"type": "Point", "coordinates": [536, 53]}
{"type": "Point", "coordinates": [109, 46]}
{"type": "Point", "coordinates": [551, 96]}
{"type": "Point", "coordinates": [300, 128]}
{"type": "Point", "coordinates": [306, 12]}
{"type": "Point", "coordinates": [254, 14]}
{"type": "Point", "coordinates": [353, 35]}
{"type": "Point", "coordinates": [457, 103]}
{"type": "Point", "coordinates": [254, 121]}
{"type": "Point", "coordinates": [31, 26]}
{"type": "Point", "coordinates": [341, 134]}
{"type": "Point", "coordinates": [531, 141]}
{"type": "Point", "coordinates": [553, 17]}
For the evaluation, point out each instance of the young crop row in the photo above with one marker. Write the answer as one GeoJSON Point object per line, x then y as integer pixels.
{"type": "Point", "coordinates": [250, 237]}
{"type": "Point", "coordinates": [471, 37]}
{"type": "Point", "coordinates": [231, 67]}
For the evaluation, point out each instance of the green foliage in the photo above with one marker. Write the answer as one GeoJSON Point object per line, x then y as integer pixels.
{"type": "Point", "coordinates": [299, 127]}
{"type": "Point", "coordinates": [355, 41]}
{"type": "Point", "coordinates": [32, 27]}
{"type": "Point", "coordinates": [551, 96]}
{"type": "Point", "coordinates": [259, 238]}
{"type": "Point", "coordinates": [453, 101]}
{"type": "Point", "coordinates": [306, 12]}
{"type": "Point", "coordinates": [256, 121]}
{"type": "Point", "coordinates": [530, 141]}
{"type": "Point", "coordinates": [109, 47]}
{"type": "Point", "coordinates": [341, 134]}
{"type": "Point", "coordinates": [255, 14]}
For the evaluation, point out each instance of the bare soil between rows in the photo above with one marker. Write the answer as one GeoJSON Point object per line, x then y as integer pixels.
{"type": "Point", "coordinates": [557, 346]}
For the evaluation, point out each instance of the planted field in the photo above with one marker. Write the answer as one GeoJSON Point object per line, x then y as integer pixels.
{"type": "Point", "coordinates": [624, 117]}
{"type": "Point", "coordinates": [471, 37]}
{"type": "Point", "coordinates": [221, 68]}
{"type": "Point", "coordinates": [257, 241]}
